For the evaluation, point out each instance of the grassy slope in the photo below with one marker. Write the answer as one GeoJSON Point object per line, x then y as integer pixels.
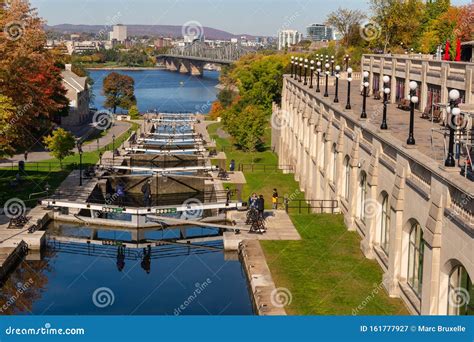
{"type": "Point", "coordinates": [326, 272]}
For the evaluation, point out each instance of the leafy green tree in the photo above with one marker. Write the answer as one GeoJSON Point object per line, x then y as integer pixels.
{"type": "Point", "coordinates": [134, 113]}
{"type": "Point", "coordinates": [119, 91]}
{"type": "Point", "coordinates": [61, 144]}
{"type": "Point", "coordinates": [347, 22]}
{"type": "Point", "coordinates": [226, 96]}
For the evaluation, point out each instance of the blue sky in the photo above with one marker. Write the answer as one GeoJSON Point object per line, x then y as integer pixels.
{"type": "Point", "coordinates": [259, 17]}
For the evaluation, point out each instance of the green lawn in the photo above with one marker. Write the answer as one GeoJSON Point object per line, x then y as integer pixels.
{"type": "Point", "coordinates": [326, 271]}
{"type": "Point", "coordinates": [38, 175]}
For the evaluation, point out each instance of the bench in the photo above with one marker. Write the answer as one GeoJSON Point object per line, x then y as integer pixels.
{"type": "Point", "coordinates": [404, 104]}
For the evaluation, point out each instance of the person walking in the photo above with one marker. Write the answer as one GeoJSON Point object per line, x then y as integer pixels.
{"type": "Point", "coordinates": [232, 165]}
{"type": "Point", "coordinates": [120, 192]}
{"type": "Point", "coordinates": [261, 207]}
{"type": "Point", "coordinates": [275, 199]}
{"type": "Point", "coordinates": [146, 190]}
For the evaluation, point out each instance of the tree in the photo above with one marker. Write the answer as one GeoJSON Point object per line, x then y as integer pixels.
{"type": "Point", "coordinates": [225, 97]}
{"type": "Point", "coordinates": [134, 113]}
{"type": "Point", "coordinates": [8, 127]}
{"type": "Point", "coordinates": [61, 144]}
{"type": "Point", "coordinates": [119, 91]}
{"type": "Point", "coordinates": [28, 73]}
{"type": "Point", "coordinates": [345, 21]}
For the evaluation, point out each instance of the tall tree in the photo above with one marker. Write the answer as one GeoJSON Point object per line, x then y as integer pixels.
{"type": "Point", "coordinates": [28, 75]}
{"type": "Point", "coordinates": [61, 144]}
{"type": "Point", "coordinates": [344, 20]}
{"type": "Point", "coordinates": [119, 91]}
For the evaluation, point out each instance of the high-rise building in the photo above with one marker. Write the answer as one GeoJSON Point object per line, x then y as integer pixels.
{"type": "Point", "coordinates": [287, 38]}
{"type": "Point", "coordinates": [119, 33]}
{"type": "Point", "coordinates": [319, 32]}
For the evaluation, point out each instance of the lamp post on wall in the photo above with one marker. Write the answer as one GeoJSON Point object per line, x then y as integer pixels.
{"type": "Point", "coordinates": [318, 64]}
{"type": "Point", "coordinates": [454, 112]}
{"type": "Point", "coordinates": [346, 61]}
{"type": "Point", "coordinates": [292, 65]}
{"type": "Point", "coordinates": [336, 97]}
{"type": "Point", "coordinates": [365, 84]}
{"type": "Point", "coordinates": [326, 93]}
{"type": "Point", "coordinates": [113, 149]}
{"type": "Point", "coordinates": [301, 69]}
{"type": "Point", "coordinates": [332, 65]}
{"type": "Point", "coordinates": [312, 74]}
{"type": "Point", "coordinates": [386, 92]}
{"type": "Point", "coordinates": [305, 72]}
{"type": "Point", "coordinates": [413, 100]}
{"type": "Point", "coordinates": [349, 80]}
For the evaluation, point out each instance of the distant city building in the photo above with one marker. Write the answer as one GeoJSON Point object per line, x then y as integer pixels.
{"type": "Point", "coordinates": [81, 47]}
{"type": "Point", "coordinates": [163, 42]}
{"type": "Point", "coordinates": [119, 33]}
{"type": "Point", "coordinates": [319, 32]}
{"type": "Point", "coordinates": [287, 38]}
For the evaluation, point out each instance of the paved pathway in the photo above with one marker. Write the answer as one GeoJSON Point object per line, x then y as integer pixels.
{"type": "Point", "coordinates": [118, 129]}
{"type": "Point", "coordinates": [428, 142]}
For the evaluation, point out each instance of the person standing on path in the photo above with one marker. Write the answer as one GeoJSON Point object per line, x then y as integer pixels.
{"type": "Point", "coordinates": [146, 190]}
{"type": "Point", "coordinates": [275, 199]}
{"type": "Point", "coordinates": [261, 207]}
{"type": "Point", "coordinates": [25, 155]}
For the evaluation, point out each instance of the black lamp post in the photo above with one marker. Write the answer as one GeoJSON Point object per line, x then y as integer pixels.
{"type": "Point", "coordinates": [326, 92]}
{"type": "Point", "coordinates": [386, 92]}
{"type": "Point", "coordinates": [113, 149]}
{"type": "Point", "coordinates": [349, 80]}
{"type": "Point", "coordinates": [318, 64]}
{"type": "Point", "coordinates": [413, 101]}
{"type": "Point", "coordinates": [100, 158]}
{"type": "Point", "coordinates": [365, 84]}
{"type": "Point", "coordinates": [301, 69]}
{"type": "Point", "coordinates": [332, 65]}
{"type": "Point", "coordinates": [346, 61]}
{"type": "Point", "coordinates": [454, 112]}
{"type": "Point", "coordinates": [312, 74]}
{"type": "Point", "coordinates": [79, 149]}
{"type": "Point", "coordinates": [336, 97]}
{"type": "Point", "coordinates": [305, 72]}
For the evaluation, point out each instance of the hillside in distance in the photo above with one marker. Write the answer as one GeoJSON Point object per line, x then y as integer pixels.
{"type": "Point", "coordinates": [173, 31]}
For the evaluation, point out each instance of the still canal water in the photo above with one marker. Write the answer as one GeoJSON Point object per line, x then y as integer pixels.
{"type": "Point", "coordinates": [80, 278]}
{"type": "Point", "coordinates": [165, 91]}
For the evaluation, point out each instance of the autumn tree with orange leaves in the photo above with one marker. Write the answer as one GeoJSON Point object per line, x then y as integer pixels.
{"type": "Point", "coordinates": [28, 75]}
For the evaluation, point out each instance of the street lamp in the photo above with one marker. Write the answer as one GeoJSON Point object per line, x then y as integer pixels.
{"type": "Point", "coordinates": [326, 93]}
{"type": "Point", "coordinates": [346, 61]}
{"type": "Point", "coordinates": [454, 112]}
{"type": "Point", "coordinates": [365, 84]}
{"type": "Point", "coordinates": [386, 92]}
{"type": "Point", "coordinates": [336, 98]}
{"type": "Point", "coordinates": [318, 64]}
{"type": "Point", "coordinates": [79, 149]}
{"type": "Point", "coordinates": [349, 80]}
{"type": "Point", "coordinates": [332, 65]}
{"type": "Point", "coordinates": [312, 74]}
{"type": "Point", "coordinates": [301, 68]}
{"type": "Point", "coordinates": [113, 149]}
{"type": "Point", "coordinates": [413, 101]}
{"type": "Point", "coordinates": [305, 71]}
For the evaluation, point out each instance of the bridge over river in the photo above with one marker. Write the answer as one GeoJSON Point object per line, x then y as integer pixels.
{"type": "Point", "coordinates": [191, 59]}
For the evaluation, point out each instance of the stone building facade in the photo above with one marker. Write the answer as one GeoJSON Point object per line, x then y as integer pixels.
{"type": "Point", "coordinates": [414, 217]}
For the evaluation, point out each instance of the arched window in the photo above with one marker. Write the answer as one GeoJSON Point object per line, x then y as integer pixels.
{"type": "Point", "coordinates": [334, 164]}
{"type": "Point", "coordinates": [460, 293]}
{"type": "Point", "coordinates": [347, 178]}
{"type": "Point", "coordinates": [362, 195]}
{"type": "Point", "coordinates": [384, 225]}
{"type": "Point", "coordinates": [415, 258]}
